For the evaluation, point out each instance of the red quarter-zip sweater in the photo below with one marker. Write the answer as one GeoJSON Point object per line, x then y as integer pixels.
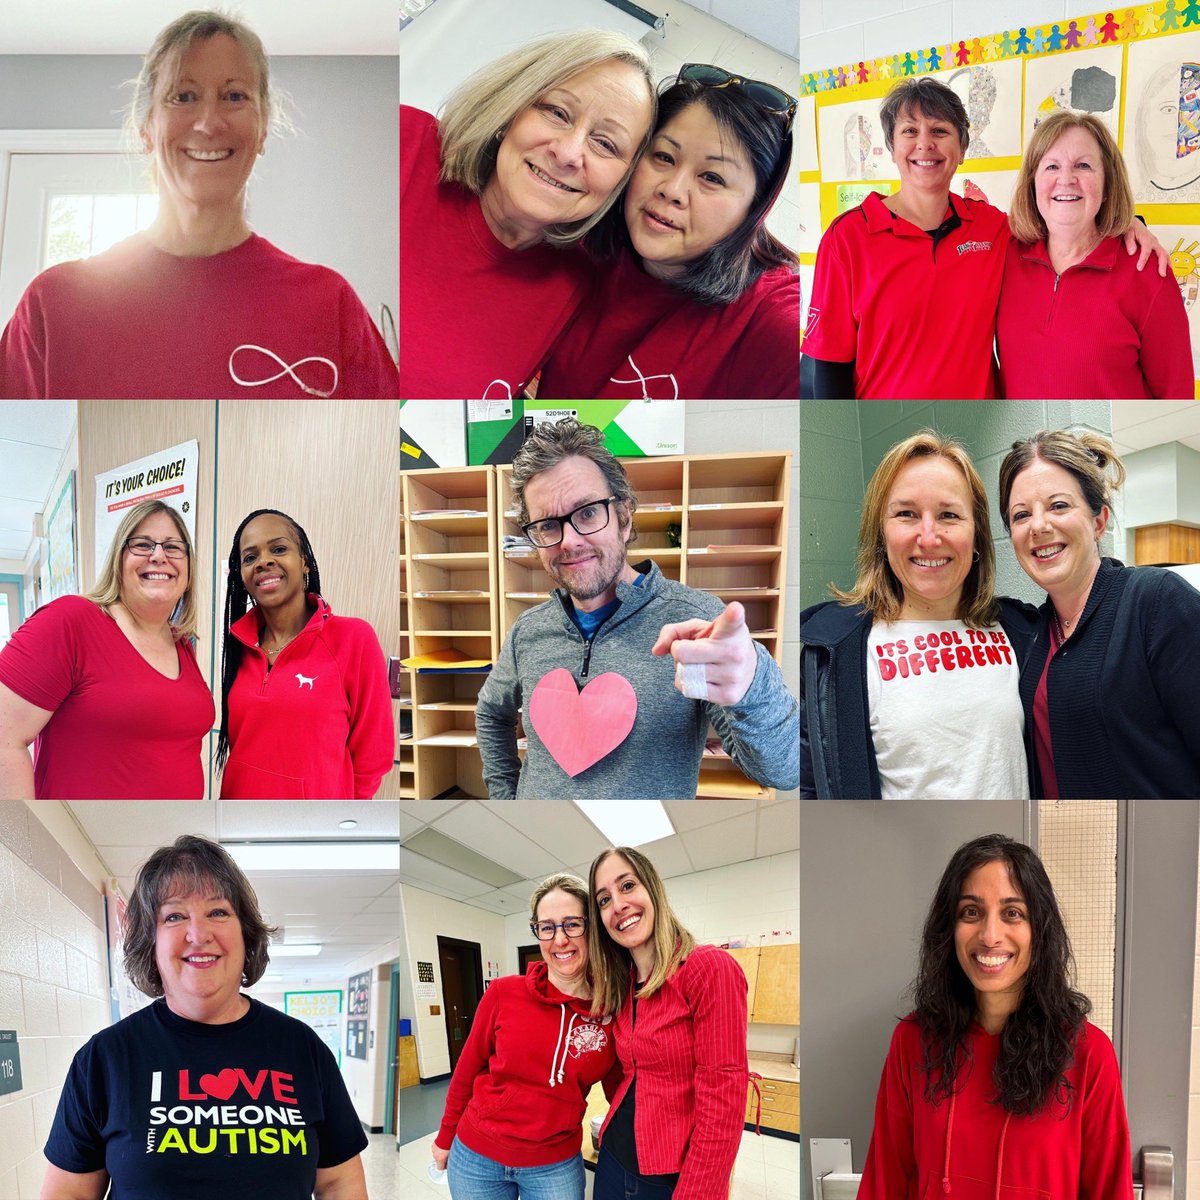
{"type": "Point", "coordinates": [520, 1087]}
{"type": "Point", "coordinates": [969, 1148]}
{"type": "Point", "coordinates": [318, 725]}
{"type": "Point", "coordinates": [688, 1053]}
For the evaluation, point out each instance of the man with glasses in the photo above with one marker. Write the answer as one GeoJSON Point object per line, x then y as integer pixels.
{"type": "Point", "coordinates": [662, 660]}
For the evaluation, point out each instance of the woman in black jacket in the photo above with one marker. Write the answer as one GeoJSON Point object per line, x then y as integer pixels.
{"type": "Point", "coordinates": [908, 680]}
{"type": "Point", "coordinates": [1109, 690]}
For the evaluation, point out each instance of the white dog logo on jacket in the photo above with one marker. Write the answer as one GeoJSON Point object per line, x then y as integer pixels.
{"type": "Point", "coordinates": [305, 679]}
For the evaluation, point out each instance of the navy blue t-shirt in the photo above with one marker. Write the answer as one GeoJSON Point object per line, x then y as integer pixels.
{"type": "Point", "coordinates": [171, 1107]}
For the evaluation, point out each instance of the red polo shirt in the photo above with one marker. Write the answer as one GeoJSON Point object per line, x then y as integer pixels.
{"type": "Point", "coordinates": [916, 313]}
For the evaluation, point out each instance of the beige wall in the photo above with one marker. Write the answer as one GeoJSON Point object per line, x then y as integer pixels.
{"type": "Point", "coordinates": [53, 977]}
{"type": "Point", "coordinates": [331, 464]}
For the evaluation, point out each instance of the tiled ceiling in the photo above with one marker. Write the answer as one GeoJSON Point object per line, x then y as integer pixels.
{"type": "Point", "coordinates": [349, 913]}
{"type": "Point", "coordinates": [1140, 424]}
{"type": "Point", "coordinates": [535, 839]}
{"type": "Point", "coordinates": [34, 436]}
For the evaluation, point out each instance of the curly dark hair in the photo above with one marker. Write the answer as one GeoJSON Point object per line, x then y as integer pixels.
{"type": "Point", "coordinates": [1038, 1041]}
{"type": "Point", "coordinates": [193, 865]}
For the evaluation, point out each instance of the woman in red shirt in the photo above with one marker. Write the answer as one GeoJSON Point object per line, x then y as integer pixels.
{"type": "Point", "coordinates": [697, 299]}
{"type": "Point", "coordinates": [997, 1083]}
{"type": "Point", "coordinates": [676, 1119]}
{"type": "Point", "coordinates": [105, 686]}
{"type": "Point", "coordinates": [294, 674]}
{"type": "Point", "coordinates": [513, 1123]}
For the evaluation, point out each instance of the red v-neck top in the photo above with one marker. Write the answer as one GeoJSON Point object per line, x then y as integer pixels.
{"type": "Point", "coordinates": [121, 730]}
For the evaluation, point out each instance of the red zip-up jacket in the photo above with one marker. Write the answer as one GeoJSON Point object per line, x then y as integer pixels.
{"type": "Point", "coordinates": [318, 725]}
{"type": "Point", "coordinates": [520, 1087]}
{"type": "Point", "coordinates": [969, 1148]}
{"type": "Point", "coordinates": [688, 1054]}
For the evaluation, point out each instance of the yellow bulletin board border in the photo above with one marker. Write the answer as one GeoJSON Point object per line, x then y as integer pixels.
{"type": "Point", "coordinates": [872, 78]}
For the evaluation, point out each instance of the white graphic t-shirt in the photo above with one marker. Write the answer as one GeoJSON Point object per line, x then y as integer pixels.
{"type": "Point", "coordinates": [945, 714]}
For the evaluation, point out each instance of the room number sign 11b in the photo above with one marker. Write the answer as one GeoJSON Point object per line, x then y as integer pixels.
{"type": "Point", "coordinates": [10, 1062]}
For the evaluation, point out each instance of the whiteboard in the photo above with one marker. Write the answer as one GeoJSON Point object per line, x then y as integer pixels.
{"type": "Point", "coordinates": [452, 38]}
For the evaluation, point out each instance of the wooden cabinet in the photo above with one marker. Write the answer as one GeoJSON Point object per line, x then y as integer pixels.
{"type": "Point", "coordinates": [780, 1105]}
{"type": "Point", "coordinates": [772, 983]}
{"type": "Point", "coordinates": [410, 1074]}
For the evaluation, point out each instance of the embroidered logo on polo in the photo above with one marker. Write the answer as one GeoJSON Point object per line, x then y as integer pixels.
{"type": "Point", "coordinates": [230, 1113]}
{"type": "Point", "coordinates": [305, 679]}
{"type": "Point", "coordinates": [972, 247]}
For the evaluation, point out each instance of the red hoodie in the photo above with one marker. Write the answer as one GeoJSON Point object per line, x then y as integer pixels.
{"type": "Point", "coordinates": [520, 1088]}
{"type": "Point", "coordinates": [971, 1149]}
{"type": "Point", "coordinates": [318, 725]}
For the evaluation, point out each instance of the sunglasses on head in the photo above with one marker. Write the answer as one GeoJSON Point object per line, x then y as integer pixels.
{"type": "Point", "coordinates": [765, 95]}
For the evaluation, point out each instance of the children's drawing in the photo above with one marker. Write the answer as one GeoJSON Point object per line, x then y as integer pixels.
{"type": "Point", "coordinates": [809, 201]}
{"type": "Point", "coordinates": [1162, 120]}
{"type": "Point", "coordinates": [1086, 81]}
{"type": "Point", "coordinates": [1184, 244]}
{"type": "Point", "coordinates": [852, 144]}
{"type": "Point", "coordinates": [996, 187]}
{"type": "Point", "coordinates": [992, 96]}
{"type": "Point", "coordinates": [805, 135]}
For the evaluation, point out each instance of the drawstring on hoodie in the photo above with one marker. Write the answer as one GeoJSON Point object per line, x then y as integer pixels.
{"type": "Point", "coordinates": [556, 1066]}
{"type": "Point", "coordinates": [999, 1152]}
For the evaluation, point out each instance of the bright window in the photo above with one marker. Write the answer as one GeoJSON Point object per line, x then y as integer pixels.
{"type": "Point", "coordinates": [80, 226]}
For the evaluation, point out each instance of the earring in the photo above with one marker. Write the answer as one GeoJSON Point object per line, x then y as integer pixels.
{"type": "Point", "coordinates": [975, 557]}
{"type": "Point", "coordinates": [500, 134]}
{"type": "Point", "coordinates": [306, 581]}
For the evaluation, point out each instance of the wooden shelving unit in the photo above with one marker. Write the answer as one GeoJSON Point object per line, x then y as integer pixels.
{"type": "Point", "coordinates": [448, 595]}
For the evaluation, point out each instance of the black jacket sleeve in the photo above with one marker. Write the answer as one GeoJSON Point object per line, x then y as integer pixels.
{"type": "Point", "coordinates": [821, 379]}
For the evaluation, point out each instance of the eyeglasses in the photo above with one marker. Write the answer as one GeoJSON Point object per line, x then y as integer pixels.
{"type": "Point", "coordinates": [765, 95]}
{"type": "Point", "coordinates": [573, 927]}
{"type": "Point", "coordinates": [143, 547]}
{"type": "Point", "coordinates": [587, 518]}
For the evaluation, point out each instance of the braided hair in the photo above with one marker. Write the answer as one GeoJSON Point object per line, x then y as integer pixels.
{"type": "Point", "coordinates": [237, 603]}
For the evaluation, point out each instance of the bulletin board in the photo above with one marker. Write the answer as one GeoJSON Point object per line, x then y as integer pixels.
{"type": "Point", "coordinates": [1136, 69]}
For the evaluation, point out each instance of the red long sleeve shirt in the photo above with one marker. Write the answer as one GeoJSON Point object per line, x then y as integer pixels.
{"type": "Point", "coordinates": [688, 1053]}
{"type": "Point", "coordinates": [520, 1086]}
{"type": "Point", "coordinates": [917, 1149]}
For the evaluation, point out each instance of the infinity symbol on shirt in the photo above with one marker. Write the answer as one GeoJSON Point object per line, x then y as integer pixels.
{"type": "Point", "coordinates": [287, 370]}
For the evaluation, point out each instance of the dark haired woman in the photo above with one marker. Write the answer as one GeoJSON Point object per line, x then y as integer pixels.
{"type": "Point", "coordinates": [997, 1084]}
{"type": "Point", "coordinates": [698, 300]}
{"type": "Point", "coordinates": [206, 1092]}
{"type": "Point", "coordinates": [296, 676]}
{"type": "Point", "coordinates": [675, 1124]}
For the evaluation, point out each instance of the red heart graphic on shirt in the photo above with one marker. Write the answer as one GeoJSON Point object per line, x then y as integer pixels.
{"type": "Point", "coordinates": [221, 1086]}
{"type": "Point", "coordinates": [580, 727]}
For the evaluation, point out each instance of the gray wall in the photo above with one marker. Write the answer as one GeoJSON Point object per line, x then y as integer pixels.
{"type": "Point", "coordinates": [868, 869]}
{"type": "Point", "coordinates": [328, 193]}
{"type": "Point", "coordinates": [844, 440]}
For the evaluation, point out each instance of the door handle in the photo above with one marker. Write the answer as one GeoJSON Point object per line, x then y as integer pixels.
{"type": "Point", "coordinates": [1158, 1173]}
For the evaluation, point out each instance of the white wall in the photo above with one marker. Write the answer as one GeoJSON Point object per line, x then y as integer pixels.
{"type": "Point", "coordinates": [53, 977]}
{"type": "Point", "coordinates": [423, 917]}
{"type": "Point", "coordinates": [366, 1080]}
{"type": "Point", "coordinates": [833, 33]}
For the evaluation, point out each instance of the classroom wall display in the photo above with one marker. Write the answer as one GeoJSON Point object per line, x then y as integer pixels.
{"type": "Point", "coordinates": [433, 433]}
{"type": "Point", "coordinates": [322, 1013]}
{"type": "Point", "coordinates": [1136, 68]}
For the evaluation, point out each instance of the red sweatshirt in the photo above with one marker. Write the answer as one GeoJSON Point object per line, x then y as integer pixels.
{"type": "Point", "coordinates": [318, 725]}
{"type": "Point", "coordinates": [121, 730]}
{"type": "Point", "coordinates": [476, 318]}
{"type": "Point", "coordinates": [1100, 330]}
{"type": "Point", "coordinates": [520, 1088]}
{"type": "Point", "coordinates": [135, 322]}
{"type": "Point", "coordinates": [688, 1051]}
{"type": "Point", "coordinates": [638, 338]}
{"type": "Point", "coordinates": [971, 1149]}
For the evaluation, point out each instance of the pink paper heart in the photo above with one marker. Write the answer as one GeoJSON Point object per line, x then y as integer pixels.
{"type": "Point", "coordinates": [580, 727]}
{"type": "Point", "coordinates": [221, 1086]}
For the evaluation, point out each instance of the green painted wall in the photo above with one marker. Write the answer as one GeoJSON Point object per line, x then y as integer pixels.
{"type": "Point", "coordinates": [832, 482]}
